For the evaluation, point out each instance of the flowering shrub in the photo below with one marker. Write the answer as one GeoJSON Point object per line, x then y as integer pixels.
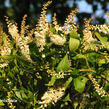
{"type": "Point", "coordinates": [54, 66]}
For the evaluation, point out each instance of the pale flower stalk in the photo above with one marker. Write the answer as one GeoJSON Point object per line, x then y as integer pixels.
{"type": "Point", "coordinates": [56, 25]}
{"type": "Point", "coordinates": [5, 50]}
{"type": "Point", "coordinates": [70, 24]}
{"type": "Point", "coordinates": [20, 40]}
{"type": "Point", "coordinates": [88, 40]}
{"type": "Point", "coordinates": [51, 96]}
{"type": "Point", "coordinates": [98, 89]}
{"type": "Point", "coordinates": [42, 28]}
{"type": "Point", "coordinates": [40, 40]}
{"type": "Point", "coordinates": [104, 29]}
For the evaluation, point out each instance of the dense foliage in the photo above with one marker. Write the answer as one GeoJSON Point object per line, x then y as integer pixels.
{"type": "Point", "coordinates": [53, 66]}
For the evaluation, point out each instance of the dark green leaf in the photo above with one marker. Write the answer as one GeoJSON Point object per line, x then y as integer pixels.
{"type": "Point", "coordinates": [75, 72]}
{"type": "Point", "coordinates": [66, 98]}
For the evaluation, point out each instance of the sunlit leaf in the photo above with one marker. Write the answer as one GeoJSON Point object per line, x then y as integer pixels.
{"type": "Point", "coordinates": [79, 83]}
{"type": "Point", "coordinates": [73, 44]}
{"type": "Point", "coordinates": [64, 64]}
{"type": "Point", "coordinates": [18, 94]}
{"type": "Point", "coordinates": [74, 34]}
{"type": "Point", "coordinates": [1, 103]}
{"type": "Point", "coordinates": [103, 40]}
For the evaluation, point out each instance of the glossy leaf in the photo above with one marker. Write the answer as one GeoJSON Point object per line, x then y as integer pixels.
{"type": "Point", "coordinates": [73, 44]}
{"type": "Point", "coordinates": [74, 34]}
{"type": "Point", "coordinates": [103, 40]}
{"type": "Point", "coordinates": [79, 83]}
{"type": "Point", "coordinates": [64, 64]}
{"type": "Point", "coordinates": [18, 94]}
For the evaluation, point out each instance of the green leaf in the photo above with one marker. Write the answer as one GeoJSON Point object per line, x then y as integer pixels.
{"type": "Point", "coordinates": [105, 99]}
{"type": "Point", "coordinates": [107, 76]}
{"type": "Point", "coordinates": [18, 94]}
{"type": "Point", "coordinates": [79, 56]}
{"type": "Point", "coordinates": [74, 72]}
{"type": "Point", "coordinates": [103, 40]}
{"type": "Point", "coordinates": [74, 34]}
{"type": "Point", "coordinates": [66, 98]}
{"type": "Point", "coordinates": [73, 44]}
{"type": "Point", "coordinates": [21, 72]}
{"type": "Point", "coordinates": [101, 61]}
{"type": "Point", "coordinates": [68, 82]}
{"type": "Point", "coordinates": [4, 38]}
{"type": "Point", "coordinates": [35, 82]}
{"type": "Point", "coordinates": [23, 94]}
{"type": "Point", "coordinates": [1, 103]}
{"type": "Point", "coordinates": [106, 87]}
{"type": "Point", "coordinates": [7, 57]}
{"type": "Point", "coordinates": [52, 29]}
{"type": "Point", "coordinates": [30, 95]}
{"type": "Point", "coordinates": [64, 64]}
{"type": "Point", "coordinates": [51, 82]}
{"type": "Point", "coordinates": [79, 83]}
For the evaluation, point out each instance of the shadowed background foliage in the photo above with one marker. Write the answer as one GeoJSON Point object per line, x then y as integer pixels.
{"type": "Point", "coordinates": [15, 9]}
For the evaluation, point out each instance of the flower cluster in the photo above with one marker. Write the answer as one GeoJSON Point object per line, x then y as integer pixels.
{"type": "Point", "coordinates": [5, 50]}
{"type": "Point", "coordinates": [56, 25]}
{"type": "Point", "coordinates": [11, 106]}
{"type": "Point", "coordinates": [41, 28]}
{"type": "Point", "coordinates": [40, 40]}
{"type": "Point", "coordinates": [98, 89]}
{"type": "Point", "coordinates": [89, 40]}
{"type": "Point", "coordinates": [20, 38]}
{"type": "Point", "coordinates": [104, 29]}
{"type": "Point", "coordinates": [101, 28]}
{"type": "Point", "coordinates": [51, 96]}
{"type": "Point", "coordinates": [57, 39]}
{"type": "Point", "coordinates": [70, 24]}
{"type": "Point", "coordinates": [57, 75]}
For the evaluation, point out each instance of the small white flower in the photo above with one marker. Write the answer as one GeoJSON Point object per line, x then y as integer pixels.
{"type": "Point", "coordinates": [52, 96]}
{"type": "Point", "coordinates": [7, 79]}
{"type": "Point", "coordinates": [43, 55]}
{"type": "Point", "coordinates": [57, 39]}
